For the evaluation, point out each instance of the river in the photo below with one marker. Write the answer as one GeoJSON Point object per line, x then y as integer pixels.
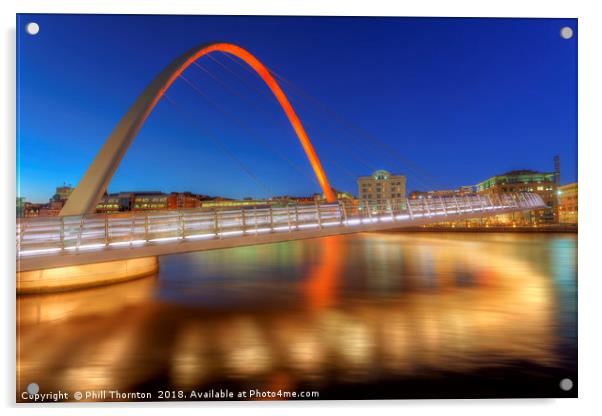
{"type": "Point", "coordinates": [372, 315]}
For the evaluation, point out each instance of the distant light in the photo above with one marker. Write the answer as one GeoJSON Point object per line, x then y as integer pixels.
{"type": "Point", "coordinates": [32, 28]}
{"type": "Point", "coordinates": [559, 192]}
{"type": "Point", "coordinates": [566, 32]}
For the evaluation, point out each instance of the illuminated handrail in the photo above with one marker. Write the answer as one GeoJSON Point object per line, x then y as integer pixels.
{"type": "Point", "coordinates": [38, 236]}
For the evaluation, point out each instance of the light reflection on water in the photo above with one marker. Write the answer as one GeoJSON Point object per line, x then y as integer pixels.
{"type": "Point", "coordinates": [323, 313]}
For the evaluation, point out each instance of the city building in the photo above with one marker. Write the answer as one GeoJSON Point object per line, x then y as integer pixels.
{"type": "Point", "coordinates": [183, 200]}
{"type": "Point", "coordinates": [542, 183]}
{"type": "Point", "coordinates": [119, 202]}
{"type": "Point", "coordinates": [340, 196]}
{"type": "Point", "coordinates": [343, 195]}
{"type": "Point", "coordinates": [237, 203]}
{"type": "Point", "coordinates": [51, 209]}
{"type": "Point", "coordinates": [56, 203]}
{"type": "Point", "coordinates": [156, 201]}
{"type": "Point", "coordinates": [347, 199]}
{"type": "Point", "coordinates": [461, 191]}
{"type": "Point", "coordinates": [380, 187]}
{"type": "Point", "coordinates": [63, 192]}
{"type": "Point", "coordinates": [159, 201]}
{"type": "Point", "coordinates": [299, 200]}
{"type": "Point", "coordinates": [31, 209]}
{"type": "Point", "coordinates": [149, 201]}
{"type": "Point", "coordinates": [26, 209]}
{"type": "Point", "coordinates": [567, 203]}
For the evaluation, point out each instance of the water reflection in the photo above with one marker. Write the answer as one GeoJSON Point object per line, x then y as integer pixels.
{"type": "Point", "coordinates": [322, 313]}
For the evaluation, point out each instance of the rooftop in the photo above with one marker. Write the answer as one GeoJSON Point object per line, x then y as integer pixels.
{"type": "Point", "coordinates": [520, 172]}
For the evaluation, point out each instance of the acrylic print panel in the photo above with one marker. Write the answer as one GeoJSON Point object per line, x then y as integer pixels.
{"type": "Point", "coordinates": [295, 208]}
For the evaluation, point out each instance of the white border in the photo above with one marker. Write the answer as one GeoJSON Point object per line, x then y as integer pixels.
{"type": "Point", "coordinates": [590, 134]}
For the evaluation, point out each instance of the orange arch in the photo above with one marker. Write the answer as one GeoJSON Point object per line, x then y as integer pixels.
{"type": "Point", "coordinates": [95, 181]}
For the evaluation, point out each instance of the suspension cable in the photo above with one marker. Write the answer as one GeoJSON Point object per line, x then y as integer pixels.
{"type": "Point", "coordinates": [248, 130]}
{"type": "Point", "coordinates": [427, 178]}
{"type": "Point", "coordinates": [237, 93]}
{"type": "Point", "coordinates": [323, 157]}
{"type": "Point", "coordinates": [221, 146]}
{"type": "Point", "coordinates": [341, 145]}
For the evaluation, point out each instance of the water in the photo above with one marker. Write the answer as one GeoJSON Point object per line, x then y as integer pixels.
{"type": "Point", "coordinates": [373, 315]}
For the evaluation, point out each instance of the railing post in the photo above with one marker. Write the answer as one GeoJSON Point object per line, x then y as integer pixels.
{"type": "Point", "coordinates": [318, 214]}
{"type": "Point", "coordinates": [62, 233]}
{"type": "Point", "coordinates": [491, 205]}
{"type": "Point", "coordinates": [500, 201]}
{"type": "Point", "coordinates": [216, 226]}
{"type": "Point", "coordinates": [244, 220]}
{"type": "Point", "coordinates": [425, 206]}
{"type": "Point", "coordinates": [483, 207]}
{"type": "Point", "coordinates": [146, 226]}
{"type": "Point", "coordinates": [410, 209]}
{"type": "Point", "coordinates": [497, 200]}
{"type": "Point", "coordinates": [297, 216]}
{"type": "Point", "coordinates": [343, 209]}
{"type": "Point", "coordinates": [288, 217]}
{"type": "Point", "coordinates": [523, 197]}
{"type": "Point", "coordinates": [106, 229]}
{"type": "Point", "coordinates": [181, 224]}
{"type": "Point", "coordinates": [469, 203]}
{"type": "Point", "coordinates": [457, 205]}
{"type": "Point", "coordinates": [271, 218]}
{"type": "Point", "coordinates": [132, 230]}
{"type": "Point", "coordinates": [513, 201]}
{"type": "Point", "coordinates": [390, 208]}
{"type": "Point", "coordinates": [443, 205]}
{"type": "Point", "coordinates": [80, 232]}
{"type": "Point", "coordinates": [255, 218]}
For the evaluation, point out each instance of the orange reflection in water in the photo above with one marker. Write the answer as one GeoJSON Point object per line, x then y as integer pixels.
{"type": "Point", "coordinates": [368, 307]}
{"type": "Point", "coordinates": [320, 287]}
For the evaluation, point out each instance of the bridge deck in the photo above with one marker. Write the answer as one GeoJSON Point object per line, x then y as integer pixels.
{"type": "Point", "coordinates": [66, 241]}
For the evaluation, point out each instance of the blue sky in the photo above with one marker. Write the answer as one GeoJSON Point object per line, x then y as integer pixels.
{"type": "Point", "coordinates": [448, 102]}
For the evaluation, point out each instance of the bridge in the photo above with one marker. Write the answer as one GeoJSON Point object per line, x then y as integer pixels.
{"type": "Point", "coordinates": [57, 250]}
{"type": "Point", "coordinates": [81, 248]}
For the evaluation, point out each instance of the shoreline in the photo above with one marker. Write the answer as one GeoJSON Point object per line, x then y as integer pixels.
{"type": "Point", "coordinates": [494, 229]}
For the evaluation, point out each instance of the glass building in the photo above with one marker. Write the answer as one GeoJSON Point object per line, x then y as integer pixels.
{"type": "Point", "coordinates": [542, 183]}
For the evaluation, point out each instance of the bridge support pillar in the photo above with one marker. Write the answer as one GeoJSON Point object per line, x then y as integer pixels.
{"type": "Point", "coordinates": [85, 275]}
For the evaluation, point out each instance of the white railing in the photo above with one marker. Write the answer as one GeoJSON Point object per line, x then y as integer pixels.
{"type": "Point", "coordinates": [37, 236]}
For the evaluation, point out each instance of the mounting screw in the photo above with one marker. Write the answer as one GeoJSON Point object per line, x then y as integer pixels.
{"type": "Point", "coordinates": [33, 388]}
{"type": "Point", "coordinates": [566, 384]}
{"type": "Point", "coordinates": [32, 28]}
{"type": "Point", "coordinates": [566, 32]}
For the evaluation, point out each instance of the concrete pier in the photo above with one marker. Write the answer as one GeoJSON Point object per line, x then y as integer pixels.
{"type": "Point", "coordinates": [84, 275]}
